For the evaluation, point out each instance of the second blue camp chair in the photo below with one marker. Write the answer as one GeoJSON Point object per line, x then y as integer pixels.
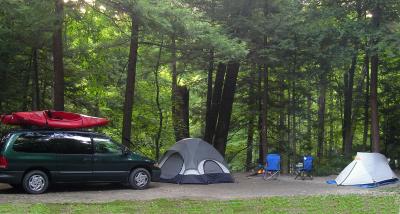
{"type": "Point", "coordinates": [272, 168]}
{"type": "Point", "coordinates": [305, 169]}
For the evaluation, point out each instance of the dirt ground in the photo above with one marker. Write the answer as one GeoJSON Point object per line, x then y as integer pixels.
{"type": "Point", "coordinates": [244, 187]}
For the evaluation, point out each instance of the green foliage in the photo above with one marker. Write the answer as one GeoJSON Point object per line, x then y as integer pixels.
{"type": "Point", "coordinates": [331, 166]}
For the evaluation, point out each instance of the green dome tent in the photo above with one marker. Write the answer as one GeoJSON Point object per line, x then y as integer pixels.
{"type": "Point", "coordinates": [193, 161]}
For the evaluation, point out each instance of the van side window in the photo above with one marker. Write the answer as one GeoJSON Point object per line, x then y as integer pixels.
{"type": "Point", "coordinates": [72, 143]}
{"type": "Point", "coordinates": [106, 146]}
{"type": "Point", "coordinates": [34, 143]}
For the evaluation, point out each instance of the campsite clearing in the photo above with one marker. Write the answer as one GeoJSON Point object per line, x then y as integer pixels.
{"type": "Point", "coordinates": [243, 188]}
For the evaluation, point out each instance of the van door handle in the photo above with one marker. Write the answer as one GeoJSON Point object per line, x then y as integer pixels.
{"type": "Point", "coordinates": [87, 159]}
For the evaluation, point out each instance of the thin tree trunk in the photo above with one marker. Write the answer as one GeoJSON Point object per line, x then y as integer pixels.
{"type": "Point", "coordinates": [366, 105]}
{"type": "Point", "coordinates": [331, 128]}
{"type": "Point", "coordinates": [282, 117]}
{"type": "Point", "coordinates": [35, 82]}
{"type": "Point", "coordinates": [174, 87]}
{"type": "Point", "coordinates": [130, 82]}
{"type": "Point", "coordinates": [348, 107]}
{"type": "Point", "coordinates": [250, 126]}
{"type": "Point", "coordinates": [58, 87]}
{"type": "Point", "coordinates": [225, 111]}
{"type": "Point", "coordinates": [209, 86]}
{"type": "Point", "coordinates": [264, 100]}
{"type": "Point", "coordinates": [321, 112]}
{"type": "Point", "coordinates": [215, 104]}
{"type": "Point", "coordinates": [159, 109]}
{"type": "Point", "coordinates": [26, 79]}
{"type": "Point", "coordinates": [374, 85]}
{"type": "Point", "coordinates": [259, 99]}
{"type": "Point", "coordinates": [309, 123]}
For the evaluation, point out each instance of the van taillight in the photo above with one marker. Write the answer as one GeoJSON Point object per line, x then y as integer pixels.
{"type": "Point", "coordinates": [3, 162]}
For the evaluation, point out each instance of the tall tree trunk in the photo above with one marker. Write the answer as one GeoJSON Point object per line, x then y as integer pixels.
{"type": "Point", "coordinates": [321, 112]}
{"type": "Point", "coordinates": [179, 98]}
{"type": "Point", "coordinates": [159, 109]}
{"type": "Point", "coordinates": [175, 121]}
{"type": "Point", "coordinates": [35, 82]}
{"type": "Point", "coordinates": [209, 86]}
{"type": "Point", "coordinates": [282, 133]}
{"type": "Point", "coordinates": [212, 118]}
{"type": "Point", "coordinates": [259, 102]}
{"type": "Point", "coordinates": [250, 126]}
{"type": "Point", "coordinates": [130, 81]}
{"type": "Point", "coordinates": [348, 103]}
{"type": "Point", "coordinates": [309, 123]}
{"type": "Point", "coordinates": [263, 113]}
{"type": "Point", "coordinates": [225, 111]}
{"type": "Point", "coordinates": [58, 87]}
{"type": "Point", "coordinates": [366, 104]}
{"type": "Point", "coordinates": [376, 15]}
{"type": "Point", "coordinates": [331, 128]}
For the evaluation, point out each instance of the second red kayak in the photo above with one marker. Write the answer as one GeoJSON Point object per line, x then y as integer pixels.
{"type": "Point", "coordinates": [53, 119]}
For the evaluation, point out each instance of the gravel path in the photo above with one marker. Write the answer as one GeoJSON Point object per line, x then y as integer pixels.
{"type": "Point", "coordinates": [244, 187]}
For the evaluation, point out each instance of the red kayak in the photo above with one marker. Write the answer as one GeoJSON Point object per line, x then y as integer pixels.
{"type": "Point", "coordinates": [53, 119]}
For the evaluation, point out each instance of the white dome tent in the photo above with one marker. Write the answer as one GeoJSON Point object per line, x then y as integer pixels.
{"type": "Point", "coordinates": [194, 161]}
{"type": "Point", "coordinates": [368, 169]}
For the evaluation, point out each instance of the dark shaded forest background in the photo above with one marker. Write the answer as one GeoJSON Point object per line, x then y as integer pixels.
{"type": "Point", "coordinates": [251, 77]}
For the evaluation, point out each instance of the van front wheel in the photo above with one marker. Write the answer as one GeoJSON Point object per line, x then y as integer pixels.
{"type": "Point", "coordinates": [35, 182]}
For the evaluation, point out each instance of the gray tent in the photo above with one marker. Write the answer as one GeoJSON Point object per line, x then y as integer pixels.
{"type": "Point", "coordinates": [194, 161]}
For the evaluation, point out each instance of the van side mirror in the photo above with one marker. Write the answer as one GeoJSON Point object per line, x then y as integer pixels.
{"type": "Point", "coordinates": [125, 151]}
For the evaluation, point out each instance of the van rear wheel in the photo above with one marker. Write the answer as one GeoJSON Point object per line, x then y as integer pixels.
{"type": "Point", "coordinates": [35, 182]}
{"type": "Point", "coordinates": [139, 179]}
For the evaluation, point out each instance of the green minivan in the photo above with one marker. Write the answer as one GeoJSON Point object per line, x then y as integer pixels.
{"type": "Point", "coordinates": [34, 159]}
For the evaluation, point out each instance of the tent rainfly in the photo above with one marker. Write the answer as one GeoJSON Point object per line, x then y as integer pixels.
{"type": "Point", "coordinates": [369, 169]}
{"type": "Point", "coordinates": [194, 161]}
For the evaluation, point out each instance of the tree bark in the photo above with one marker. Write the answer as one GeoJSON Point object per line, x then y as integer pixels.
{"type": "Point", "coordinates": [182, 113]}
{"type": "Point", "coordinates": [225, 111]}
{"type": "Point", "coordinates": [58, 87]}
{"type": "Point", "coordinates": [130, 82]}
{"type": "Point", "coordinates": [35, 82]}
{"type": "Point", "coordinates": [215, 104]}
{"type": "Point", "coordinates": [348, 106]}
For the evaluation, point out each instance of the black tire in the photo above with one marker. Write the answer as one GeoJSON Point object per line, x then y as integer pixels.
{"type": "Point", "coordinates": [35, 182]}
{"type": "Point", "coordinates": [139, 179]}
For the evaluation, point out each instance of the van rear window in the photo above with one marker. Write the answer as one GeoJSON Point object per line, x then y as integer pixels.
{"type": "Point", "coordinates": [3, 141]}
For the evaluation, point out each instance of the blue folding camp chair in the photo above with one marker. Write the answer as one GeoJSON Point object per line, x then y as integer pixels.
{"type": "Point", "coordinates": [272, 168]}
{"type": "Point", "coordinates": [305, 169]}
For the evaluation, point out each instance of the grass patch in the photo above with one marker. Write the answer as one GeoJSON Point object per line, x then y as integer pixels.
{"type": "Point", "coordinates": [296, 204]}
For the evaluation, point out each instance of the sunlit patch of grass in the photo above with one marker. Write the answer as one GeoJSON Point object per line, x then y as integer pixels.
{"type": "Point", "coordinates": [296, 204]}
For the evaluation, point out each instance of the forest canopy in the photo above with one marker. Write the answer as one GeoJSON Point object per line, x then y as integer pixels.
{"type": "Point", "coordinates": [250, 77]}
